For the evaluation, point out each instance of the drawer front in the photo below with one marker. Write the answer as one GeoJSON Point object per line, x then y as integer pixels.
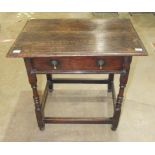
{"type": "Point", "coordinates": [77, 63]}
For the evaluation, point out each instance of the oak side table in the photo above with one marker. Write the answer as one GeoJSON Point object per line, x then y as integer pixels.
{"type": "Point", "coordinates": [77, 46]}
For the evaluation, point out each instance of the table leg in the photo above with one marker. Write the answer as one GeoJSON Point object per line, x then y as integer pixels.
{"type": "Point", "coordinates": [33, 82]}
{"type": "Point", "coordinates": [49, 79]}
{"type": "Point", "coordinates": [110, 79]}
{"type": "Point", "coordinates": [123, 82]}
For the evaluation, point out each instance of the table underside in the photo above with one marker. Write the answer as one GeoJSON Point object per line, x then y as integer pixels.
{"type": "Point", "coordinates": [77, 120]}
{"type": "Point", "coordinates": [40, 66]}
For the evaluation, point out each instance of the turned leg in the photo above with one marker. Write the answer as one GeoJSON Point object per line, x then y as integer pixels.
{"type": "Point", "coordinates": [110, 79]}
{"type": "Point", "coordinates": [50, 82]}
{"type": "Point", "coordinates": [38, 112]}
{"type": "Point", "coordinates": [119, 101]}
{"type": "Point", "coordinates": [33, 82]}
{"type": "Point", "coordinates": [123, 82]}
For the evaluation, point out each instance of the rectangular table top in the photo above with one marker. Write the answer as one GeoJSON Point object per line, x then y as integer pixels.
{"type": "Point", "coordinates": [77, 37]}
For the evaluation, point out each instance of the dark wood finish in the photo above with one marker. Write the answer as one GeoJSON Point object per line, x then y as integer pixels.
{"type": "Point", "coordinates": [77, 63]}
{"type": "Point", "coordinates": [76, 37]}
{"type": "Point", "coordinates": [77, 71]}
{"type": "Point", "coordinates": [113, 95]}
{"type": "Point", "coordinates": [75, 120]}
{"type": "Point", "coordinates": [85, 81]}
{"type": "Point", "coordinates": [33, 82]}
{"type": "Point", "coordinates": [79, 46]}
{"type": "Point", "coordinates": [50, 81]}
{"type": "Point", "coordinates": [123, 82]}
{"type": "Point", "coordinates": [44, 97]}
{"type": "Point", "coordinates": [111, 79]}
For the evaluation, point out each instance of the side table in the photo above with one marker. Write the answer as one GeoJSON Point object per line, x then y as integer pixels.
{"type": "Point", "coordinates": [77, 46]}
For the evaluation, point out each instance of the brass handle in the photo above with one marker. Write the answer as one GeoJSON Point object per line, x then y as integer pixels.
{"type": "Point", "coordinates": [100, 63]}
{"type": "Point", "coordinates": [54, 63]}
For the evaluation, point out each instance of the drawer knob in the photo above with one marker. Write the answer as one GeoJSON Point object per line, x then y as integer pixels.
{"type": "Point", "coordinates": [54, 63]}
{"type": "Point", "coordinates": [100, 63]}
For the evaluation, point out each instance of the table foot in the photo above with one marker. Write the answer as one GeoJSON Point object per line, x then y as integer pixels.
{"type": "Point", "coordinates": [50, 88]}
{"type": "Point", "coordinates": [113, 128]}
{"type": "Point", "coordinates": [42, 128]}
{"type": "Point", "coordinates": [115, 121]}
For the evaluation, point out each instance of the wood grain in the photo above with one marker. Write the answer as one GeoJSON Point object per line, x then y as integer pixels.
{"type": "Point", "coordinates": [77, 37]}
{"type": "Point", "coordinates": [77, 63]}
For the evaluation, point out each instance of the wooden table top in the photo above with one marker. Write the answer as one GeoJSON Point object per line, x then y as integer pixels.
{"type": "Point", "coordinates": [77, 37]}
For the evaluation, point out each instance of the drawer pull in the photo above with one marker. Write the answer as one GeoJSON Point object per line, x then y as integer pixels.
{"type": "Point", "coordinates": [100, 63]}
{"type": "Point", "coordinates": [54, 63]}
